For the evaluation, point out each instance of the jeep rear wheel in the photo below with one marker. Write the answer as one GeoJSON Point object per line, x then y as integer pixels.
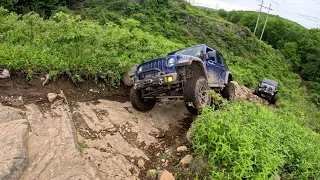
{"type": "Point", "coordinates": [274, 99]}
{"type": "Point", "coordinates": [196, 94]}
{"type": "Point", "coordinates": [140, 103]}
{"type": "Point", "coordinates": [228, 91]}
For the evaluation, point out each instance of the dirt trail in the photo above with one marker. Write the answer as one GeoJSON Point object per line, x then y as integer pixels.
{"type": "Point", "coordinates": [115, 140]}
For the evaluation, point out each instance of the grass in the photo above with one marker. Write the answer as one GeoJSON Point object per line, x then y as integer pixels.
{"type": "Point", "coordinates": [81, 146]}
{"type": "Point", "coordinates": [250, 141]}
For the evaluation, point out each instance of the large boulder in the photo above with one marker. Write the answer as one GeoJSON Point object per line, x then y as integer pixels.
{"type": "Point", "coordinates": [13, 143]}
{"type": "Point", "coordinates": [127, 80]}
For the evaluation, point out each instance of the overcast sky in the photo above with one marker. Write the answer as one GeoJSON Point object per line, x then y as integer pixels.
{"type": "Point", "coordinates": [304, 12]}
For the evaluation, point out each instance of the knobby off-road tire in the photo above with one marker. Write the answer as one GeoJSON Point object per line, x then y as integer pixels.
{"type": "Point", "coordinates": [229, 91]}
{"type": "Point", "coordinates": [274, 98]}
{"type": "Point", "coordinates": [139, 103]}
{"type": "Point", "coordinates": [196, 94]}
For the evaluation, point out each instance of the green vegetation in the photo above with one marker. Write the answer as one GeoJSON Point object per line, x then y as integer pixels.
{"type": "Point", "coordinates": [81, 146]}
{"type": "Point", "coordinates": [69, 45]}
{"type": "Point", "coordinates": [300, 46]}
{"type": "Point", "coordinates": [256, 142]}
{"type": "Point", "coordinates": [102, 39]}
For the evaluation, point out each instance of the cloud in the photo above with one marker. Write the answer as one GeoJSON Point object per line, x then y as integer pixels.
{"type": "Point", "coordinates": [305, 12]}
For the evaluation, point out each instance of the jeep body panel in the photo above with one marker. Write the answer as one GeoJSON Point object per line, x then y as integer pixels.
{"type": "Point", "coordinates": [213, 68]}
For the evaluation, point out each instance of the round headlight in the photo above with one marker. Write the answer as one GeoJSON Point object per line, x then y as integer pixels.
{"type": "Point", "coordinates": [170, 62]}
{"type": "Point", "coordinates": [140, 69]}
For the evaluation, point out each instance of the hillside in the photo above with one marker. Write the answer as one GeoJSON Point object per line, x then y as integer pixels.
{"type": "Point", "coordinates": [299, 45]}
{"type": "Point", "coordinates": [102, 39]}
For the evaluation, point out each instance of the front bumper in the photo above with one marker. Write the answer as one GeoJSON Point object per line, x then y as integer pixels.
{"type": "Point", "coordinates": [266, 92]}
{"type": "Point", "coordinates": [156, 80]}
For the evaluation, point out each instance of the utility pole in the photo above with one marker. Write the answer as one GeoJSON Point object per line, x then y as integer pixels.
{"type": "Point", "coordinates": [255, 29]}
{"type": "Point", "coordinates": [265, 23]}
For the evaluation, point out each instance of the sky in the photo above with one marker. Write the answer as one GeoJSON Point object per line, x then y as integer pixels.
{"type": "Point", "coordinates": [304, 12]}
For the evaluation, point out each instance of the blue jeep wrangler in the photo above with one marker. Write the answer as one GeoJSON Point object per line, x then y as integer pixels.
{"type": "Point", "coordinates": [188, 74]}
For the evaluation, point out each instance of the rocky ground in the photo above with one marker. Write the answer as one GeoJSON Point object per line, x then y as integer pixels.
{"type": "Point", "coordinates": [90, 131]}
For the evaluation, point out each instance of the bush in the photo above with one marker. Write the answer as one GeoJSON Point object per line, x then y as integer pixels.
{"type": "Point", "coordinates": [79, 48]}
{"type": "Point", "coordinates": [249, 141]}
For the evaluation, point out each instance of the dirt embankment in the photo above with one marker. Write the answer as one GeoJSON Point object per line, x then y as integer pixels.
{"type": "Point", "coordinates": [115, 140]}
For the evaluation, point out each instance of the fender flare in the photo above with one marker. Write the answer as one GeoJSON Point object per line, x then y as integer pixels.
{"type": "Point", "coordinates": [228, 77]}
{"type": "Point", "coordinates": [190, 60]}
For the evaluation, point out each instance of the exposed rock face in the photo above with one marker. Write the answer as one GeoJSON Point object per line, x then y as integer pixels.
{"type": "Point", "coordinates": [36, 145]}
{"type": "Point", "coordinates": [117, 136]}
{"type": "Point", "coordinates": [52, 147]}
{"type": "Point", "coordinates": [13, 143]}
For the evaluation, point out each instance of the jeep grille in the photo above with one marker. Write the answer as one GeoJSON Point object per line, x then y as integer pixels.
{"type": "Point", "coordinates": [158, 63]}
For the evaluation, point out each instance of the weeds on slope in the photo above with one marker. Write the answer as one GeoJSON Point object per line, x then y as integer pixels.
{"type": "Point", "coordinates": [250, 141]}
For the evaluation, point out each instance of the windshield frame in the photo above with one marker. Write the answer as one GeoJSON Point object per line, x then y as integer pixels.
{"type": "Point", "coordinates": [197, 48]}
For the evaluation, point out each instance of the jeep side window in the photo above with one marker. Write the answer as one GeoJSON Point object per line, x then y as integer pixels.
{"type": "Point", "coordinates": [219, 58]}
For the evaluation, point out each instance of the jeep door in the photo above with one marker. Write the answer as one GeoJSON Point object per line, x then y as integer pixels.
{"type": "Point", "coordinates": [222, 69]}
{"type": "Point", "coordinates": [212, 69]}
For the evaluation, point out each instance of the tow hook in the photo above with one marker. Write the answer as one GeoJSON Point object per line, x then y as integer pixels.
{"type": "Point", "coordinates": [161, 82]}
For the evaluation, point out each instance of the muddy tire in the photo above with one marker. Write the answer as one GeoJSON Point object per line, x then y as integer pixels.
{"type": "Point", "coordinates": [256, 91]}
{"type": "Point", "coordinates": [229, 91]}
{"type": "Point", "coordinates": [139, 103]}
{"type": "Point", "coordinates": [196, 94]}
{"type": "Point", "coordinates": [274, 99]}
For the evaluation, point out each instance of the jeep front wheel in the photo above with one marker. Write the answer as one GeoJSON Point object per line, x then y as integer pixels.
{"type": "Point", "coordinates": [140, 103]}
{"type": "Point", "coordinates": [274, 99]}
{"type": "Point", "coordinates": [196, 94]}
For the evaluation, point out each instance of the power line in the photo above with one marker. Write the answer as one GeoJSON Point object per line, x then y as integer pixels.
{"type": "Point", "coordinates": [265, 21]}
{"type": "Point", "coordinates": [255, 29]}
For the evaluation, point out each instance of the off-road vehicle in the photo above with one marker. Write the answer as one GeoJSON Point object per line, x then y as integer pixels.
{"type": "Point", "coordinates": [268, 89]}
{"type": "Point", "coordinates": [188, 74]}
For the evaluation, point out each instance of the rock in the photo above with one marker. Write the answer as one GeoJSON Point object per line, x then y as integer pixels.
{"type": "Point", "coordinates": [141, 163]}
{"type": "Point", "coordinates": [5, 74]}
{"type": "Point", "coordinates": [186, 160]}
{"type": "Point", "coordinates": [182, 149]}
{"type": "Point", "coordinates": [13, 142]}
{"type": "Point", "coordinates": [163, 160]}
{"type": "Point", "coordinates": [189, 135]}
{"type": "Point", "coordinates": [52, 96]}
{"type": "Point", "coordinates": [166, 175]}
{"type": "Point", "coordinates": [127, 80]}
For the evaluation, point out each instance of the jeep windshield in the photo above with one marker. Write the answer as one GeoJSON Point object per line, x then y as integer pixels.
{"type": "Point", "coordinates": [196, 51]}
{"type": "Point", "coordinates": [270, 82]}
